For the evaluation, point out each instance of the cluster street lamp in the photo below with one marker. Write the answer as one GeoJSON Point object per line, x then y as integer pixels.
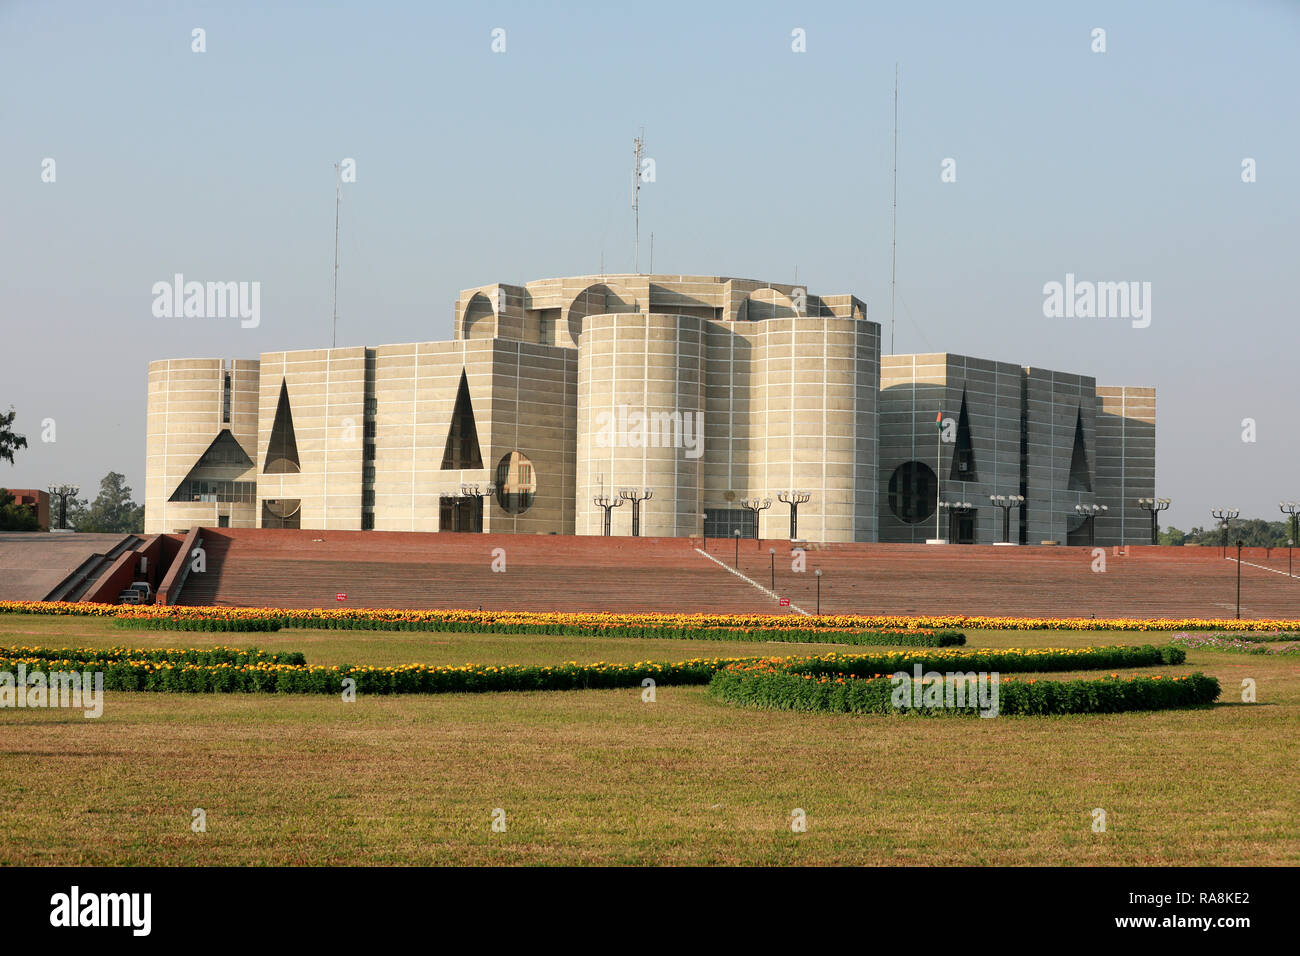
{"type": "Point", "coordinates": [1291, 508]}
{"type": "Point", "coordinates": [1155, 506]}
{"type": "Point", "coordinates": [1225, 516]}
{"type": "Point", "coordinates": [63, 493]}
{"type": "Point", "coordinates": [636, 496]}
{"type": "Point", "coordinates": [1006, 503]}
{"type": "Point", "coordinates": [794, 499]}
{"type": "Point", "coordinates": [1090, 513]}
{"type": "Point", "coordinates": [609, 504]}
{"type": "Point", "coordinates": [472, 491]}
{"type": "Point", "coordinates": [757, 506]}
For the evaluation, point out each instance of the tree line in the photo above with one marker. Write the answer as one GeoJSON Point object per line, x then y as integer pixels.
{"type": "Point", "coordinates": [1252, 532]}
{"type": "Point", "coordinates": [112, 511]}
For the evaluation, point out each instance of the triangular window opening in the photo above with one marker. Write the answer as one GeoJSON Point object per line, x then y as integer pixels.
{"type": "Point", "coordinates": [218, 467]}
{"type": "Point", "coordinates": [1080, 474]}
{"type": "Point", "coordinates": [282, 450]}
{"type": "Point", "coordinates": [462, 438]}
{"type": "Point", "coordinates": [963, 458]}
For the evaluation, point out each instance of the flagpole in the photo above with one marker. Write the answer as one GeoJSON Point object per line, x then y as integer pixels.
{"type": "Point", "coordinates": [938, 469]}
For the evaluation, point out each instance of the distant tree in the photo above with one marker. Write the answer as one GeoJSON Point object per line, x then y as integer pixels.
{"type": "Point", "coordinates": [9, 442]}
{"type": "Point", "coordinates": [112, 511]}
{"type": "Point", "coordinates": [1252, 532]}
{"type": "Point", "coordinates": [16, 517]}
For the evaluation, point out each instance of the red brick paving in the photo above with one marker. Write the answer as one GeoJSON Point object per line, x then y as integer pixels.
{"type": "Point", "coordinates": [396, 569]}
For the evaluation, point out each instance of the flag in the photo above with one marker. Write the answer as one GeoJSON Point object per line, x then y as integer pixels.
{"type": "Point", "coordinates": [938, 419]}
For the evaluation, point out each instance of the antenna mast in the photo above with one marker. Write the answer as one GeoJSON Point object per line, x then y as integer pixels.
{"type": "Point", "coordinates": [638, 148]}
{"type": "Point", "coordinates": [338, 197]}
{"type": "Point", "coordinates": [893, 230]}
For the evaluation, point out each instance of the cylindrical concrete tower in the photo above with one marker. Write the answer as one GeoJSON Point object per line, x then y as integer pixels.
{"type": "Point", "coordinates": [641, 421]}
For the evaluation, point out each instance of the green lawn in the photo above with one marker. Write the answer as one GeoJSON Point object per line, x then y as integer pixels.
{"type": "Point", "coordinates": [601, 777]}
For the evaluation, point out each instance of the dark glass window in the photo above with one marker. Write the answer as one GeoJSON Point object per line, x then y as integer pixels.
{"type": "Point", "coordinates": [224, 492]}
{"type": "Point", "coordinates": [462, 449]}
{"type": "Point", "coordinates": [725, 522]}
{"type": "Point", "coordinates": [963, 458]}
{"type": "Point", "coordinates": [912, 491]}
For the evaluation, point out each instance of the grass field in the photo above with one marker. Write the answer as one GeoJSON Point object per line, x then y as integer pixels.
{"type": "Point", "coordinates": [601, 777]}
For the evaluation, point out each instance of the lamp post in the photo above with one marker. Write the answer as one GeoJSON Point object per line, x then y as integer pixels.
{"type": "Point", "coordinates": [794, 499]}
{"type": "Point", "coordinates": [819, 592]}
{"type": "Point", "coordinates": [63, 493]}
{"type": "Point", "coordinates": [1090, 513]}
{"type": "Point", "coordinates": [1239, 579]}
{"type": "Point", "coordinates": [1006, 503]}
{"type": "Point", "coordinates": [1291, 508]}
{"type": "Point", "coordinates": [1155, 506]}
{"type": "Point", "coordinates": [771, 552]}
{"type": "Point", "coordinates": [736, 561]}
{"type": "Point", "coordinates": [636, 496]}
{"type": "Point", "coordinates": [609, 504]}
{"type": "Point", "coordinates": [472, 491]}
{"type": "Point", "coordinates": [757, 506]}
{"type": "Point", "coordinates": [1225, 516]}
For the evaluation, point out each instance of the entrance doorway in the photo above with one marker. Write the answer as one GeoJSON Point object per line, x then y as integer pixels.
{"type": "Point", "coordinates": [461, 514]}
{"type": "Point", "coordinates": [961, 526]}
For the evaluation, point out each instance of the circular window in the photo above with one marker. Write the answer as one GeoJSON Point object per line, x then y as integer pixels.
{"type": "Point", "coordinates": [912, 490]}
{"type": "Point", "coordinates": [516, 483]}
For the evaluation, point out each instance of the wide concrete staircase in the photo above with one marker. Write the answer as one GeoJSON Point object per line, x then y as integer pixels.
{"type": "Point", "coordinates": [393, 569]}
{"type": "Point", "coordinates": [413, 570]}
{"type": "Point", "coordinates": [1033, 581]}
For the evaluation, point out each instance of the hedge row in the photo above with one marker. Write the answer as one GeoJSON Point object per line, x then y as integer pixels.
{"type": "Point", "coordinates": [1010, 660]}
{"type": "Point", "coordinates": [254, 676]}
{"type": "Point", "coordinates": [409, 679]}
{"type": "Point", "coordinates": [779, 689]}
{"type": "Point", "coordinates": [477, 620]}
{"type": "Point", "coordinates": [174, 655]}
{"type": "Point", "coordinates": [1239, 644]}
{"type": "Point", "coordinates": [198, 623]}
{"type": "Point", "coordinates": [230, 619]}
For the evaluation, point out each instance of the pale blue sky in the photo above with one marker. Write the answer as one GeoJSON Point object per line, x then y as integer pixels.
{"type": "Point", "coordinates": [475, 167]}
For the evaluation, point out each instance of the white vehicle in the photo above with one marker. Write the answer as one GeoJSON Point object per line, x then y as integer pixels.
{"type": "Point", "coordinates": [138, 593]}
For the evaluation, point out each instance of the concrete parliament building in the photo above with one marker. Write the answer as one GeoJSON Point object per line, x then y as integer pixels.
{"type": "Point", "coordinates": [705, 390]}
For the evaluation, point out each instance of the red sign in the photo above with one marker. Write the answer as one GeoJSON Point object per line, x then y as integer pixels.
{"type": "Point", "coordinates": [340, 596]}
{"type": "Point", "coordinates": [785, 602]}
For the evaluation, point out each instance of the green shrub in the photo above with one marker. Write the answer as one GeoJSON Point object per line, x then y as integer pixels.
{"type": "Point", "coordinates": [198, 623]}
{"type": "Point", "coordinates": [192, 655]}
{"type": "Point", "coordinates": [780, 689]}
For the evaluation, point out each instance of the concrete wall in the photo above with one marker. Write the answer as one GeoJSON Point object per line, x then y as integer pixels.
{"type": "Point", "coordinates": [634, 369]}
{"type": "Point", "coordinates": [1054, 402]}
{"type": "Point", "coordinates": [914, 388]}
{"type": "Point", "coordinates": [812, 423]}
{"type": "Point", "coordinates": [327, 398]}
{"type": "Point", "coordinates": [1126, 462]}
{"type": "Point", "coordinates": [185, 413]}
